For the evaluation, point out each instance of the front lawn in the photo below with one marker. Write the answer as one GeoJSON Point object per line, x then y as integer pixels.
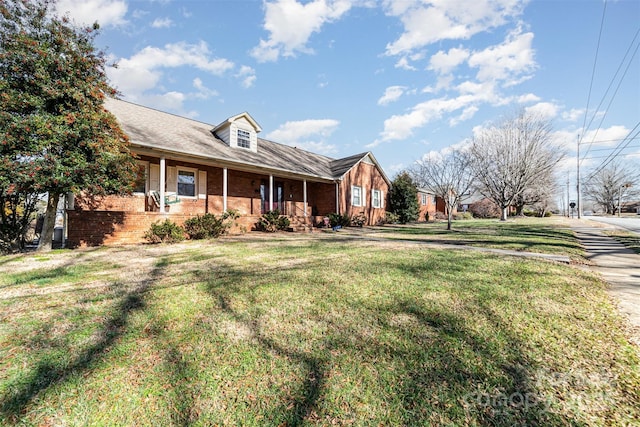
{"type": "Point", "coordinates": [308, 332]}
{"type": "Point", "coordinates": [542, 235]}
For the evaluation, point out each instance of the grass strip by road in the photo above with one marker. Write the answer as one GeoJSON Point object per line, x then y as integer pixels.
{"type": "Point", "coordinates": [306, 333]}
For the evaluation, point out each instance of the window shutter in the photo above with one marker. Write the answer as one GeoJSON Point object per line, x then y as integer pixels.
{"type": "Point", "coordinates": [363, 196]}
{"type": "Point", "coordinates": [172, 179]}
{"type": "Point", "coordinates": [154, 177]}
{"type": "Point", "coordinates": [202, 184]}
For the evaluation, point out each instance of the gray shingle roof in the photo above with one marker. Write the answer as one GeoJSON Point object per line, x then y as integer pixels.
{"type": "Point", "coordinates": [149, 128]}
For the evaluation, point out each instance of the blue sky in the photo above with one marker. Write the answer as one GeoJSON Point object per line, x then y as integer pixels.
{"type": "Point", "coordinates": [400, 78]}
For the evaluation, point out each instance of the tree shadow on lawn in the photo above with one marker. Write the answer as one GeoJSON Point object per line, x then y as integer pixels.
{"type": "Point", "coordinates": [450, 374]}
{"type": "Point", "coordinates": [47, 373]}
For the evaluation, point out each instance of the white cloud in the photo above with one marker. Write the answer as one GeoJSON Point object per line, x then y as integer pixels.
{"type": "Point", "coordinates": [247, 75]}
{"type": "Point", "coordinates": [307, 134]}
{"type": "Point", "coordinates": [606, 137]}
{"type": "Point", "coordinates": [291, 24]}
{"type": "Point", "coordinates": [529, 97]}
{"type": "Point", "coordinates": [142, 72]}
{"type": "Point", "coordinates": [203, 92]}
{"type": "Point", "coordinates": [429, 22]}
{"type": "Point", "coordinates": [444, 62]}
{"type": "Point", "coordinates": [573, 115]}
{"type": "Point", "coordinates": [391, 94]}
{"type": "Point", "coordinates": [162, 23]}
{"type": "Point", "coordinates": [86, 12]}
{"type": "Point", "coordinates": [403, 63]}
{"type": "Point", "coordinates": [511, 61]}
{"type": "Point", "coordinates": [544, 110]}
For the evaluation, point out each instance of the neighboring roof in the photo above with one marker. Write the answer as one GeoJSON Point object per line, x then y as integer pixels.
{"type": "Point", "coordinates": [157, 130]}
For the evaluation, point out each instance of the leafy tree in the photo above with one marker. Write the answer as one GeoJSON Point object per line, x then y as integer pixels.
{"type": "Point", "coordinates": [403, 198]}
{"type": "Point", "coordinates": [16, 214]}
{"type": "Point", "coordinates": [447, 176]}
{"type": "Point", "coordinates": [56, 135]}
{"type": "Point", "coordinates": [513, 156]}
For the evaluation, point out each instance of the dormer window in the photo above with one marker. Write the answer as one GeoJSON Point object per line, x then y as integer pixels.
{"type": "Point", "coordinates": [244, 139]}
{"type": "Point", "coordinates": [239, 131]}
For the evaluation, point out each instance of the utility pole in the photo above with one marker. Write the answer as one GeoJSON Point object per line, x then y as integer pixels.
{"type": "Point", "coordinates": [578, 181]}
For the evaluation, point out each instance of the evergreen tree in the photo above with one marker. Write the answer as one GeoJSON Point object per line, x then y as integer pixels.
{"type": "Point", "coordinates": [403, 198]}
{"type": "Point", "coordinates": [55, 135]}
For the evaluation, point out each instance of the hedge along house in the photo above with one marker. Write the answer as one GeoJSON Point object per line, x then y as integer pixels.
{"type": "Point", "coordinates": [189, 168]}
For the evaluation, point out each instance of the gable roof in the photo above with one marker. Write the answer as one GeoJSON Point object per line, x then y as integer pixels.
{"type": "Point", "coordinates": [155, 130]}
{"type": "Point", "coordinates": [232, 119]}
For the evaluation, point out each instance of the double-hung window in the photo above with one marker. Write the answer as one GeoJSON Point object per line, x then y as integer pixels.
{"type": "Point", "coordinates": [356, 196]}
{"type": "Point", "coordinates": [424, 199]}
{"type": "Point", "coordinates": [186, 183]}
{"type": "Point", "coordinates": [244, 139]}
{"type": "Point", "coordinates": [376, 198]}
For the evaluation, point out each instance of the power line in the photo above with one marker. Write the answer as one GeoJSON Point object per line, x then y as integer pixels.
{"type": "Point", "coordinates": [617, 87]}
{"type": "Point", "coordinates": [611, 148]}
{"type": "Point", "coordinates": [593, 72]}
{"type": "Point", "coordinates": [630, 137]}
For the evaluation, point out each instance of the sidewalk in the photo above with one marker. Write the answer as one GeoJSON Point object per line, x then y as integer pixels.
{"type": "Point", "coordinates": [618, 266]}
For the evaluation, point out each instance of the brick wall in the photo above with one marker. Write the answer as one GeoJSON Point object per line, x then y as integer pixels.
{"type": "Point", "coordinates": [368, 177]}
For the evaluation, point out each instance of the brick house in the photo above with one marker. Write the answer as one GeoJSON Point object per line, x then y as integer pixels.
{"type": "Point", "coordinates": [428, 205]}
{"type": "Point", "coordinates": [187, 168]}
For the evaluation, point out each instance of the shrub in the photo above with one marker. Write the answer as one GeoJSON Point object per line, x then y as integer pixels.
{"type": "Point", "coordinates": [390, 218]}
{"type": "Point", "coordinates": [358, 220]}
{"type": "Point", "coordinates": [335, 219]}
{"type": "Point", "coordinates": [272, 221]}
{"type": "Point", "coordinates": [164, 232]}
{"type": "Point", "coordinates": [209, 226]}
{"type": "Point", "coordinates": [484, 208]}
{"type": "Point", "coordinates": [462, 215]}
{"type": "Point", "coordinates": [440, 216]}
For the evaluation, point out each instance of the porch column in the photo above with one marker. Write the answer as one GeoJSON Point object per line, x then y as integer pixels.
{"type": "Point", "coordinates": [337, 198]}
{"type": "Point", "coordinates": [225, 183]}
{"type": "Point", "coordinates": [304, 196]}
{"type": "Point", "coordinates": [270, 192]}
{"type": "Point", "coordinates": [163, 178]}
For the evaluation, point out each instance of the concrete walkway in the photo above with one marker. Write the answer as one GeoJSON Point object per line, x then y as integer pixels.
{"type": "Point", "coordinates": [618, 266]}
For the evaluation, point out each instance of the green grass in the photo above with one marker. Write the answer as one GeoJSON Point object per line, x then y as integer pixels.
{"type": "Point", "coordinates": [630, 240]}
{"type": "Point", "coordinates": [309, 332]}
{"type": "Point", "coordinates": [542, 235]}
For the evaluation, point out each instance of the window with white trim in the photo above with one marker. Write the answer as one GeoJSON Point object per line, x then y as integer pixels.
{"type": "Point", "coordinates": [356, 195]}
{"type": "Point", "coordinates": [376, 198]}
{"type": "Point", "coordinates": [424, 199]}
{"type": "Point", "coordinates": [186, 182]}
{"type": "Point", "coordinates": [243, 138]}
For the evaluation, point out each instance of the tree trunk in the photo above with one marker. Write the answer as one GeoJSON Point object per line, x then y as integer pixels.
{"type": "Point", "coordinates": [46, 236]}
{"type": "Point", "coordinates": [519, 209]}
{"type": "Point", "coordinates": [503, 217]}
{"type": "Point", "coordinates": [449, 218]}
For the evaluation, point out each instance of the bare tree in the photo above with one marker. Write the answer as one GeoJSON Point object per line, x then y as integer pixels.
{"type": "Point", "coordinates": [447, 176]}
{"type": "Point", "coordinates": [539, 196]}
{"type": "Point", "coordinates": [512, 156]}
{"type": "Point", "coordinates": [611, 186]}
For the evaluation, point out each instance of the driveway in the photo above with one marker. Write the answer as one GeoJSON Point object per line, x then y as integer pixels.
{"type": "Point", "coordinates": [630, 223]}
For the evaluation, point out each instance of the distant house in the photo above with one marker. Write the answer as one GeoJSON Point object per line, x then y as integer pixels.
{"type": "Point", "coordinates": [187, 168]}
{"type": "Point", "coordinates": [428, 205]}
